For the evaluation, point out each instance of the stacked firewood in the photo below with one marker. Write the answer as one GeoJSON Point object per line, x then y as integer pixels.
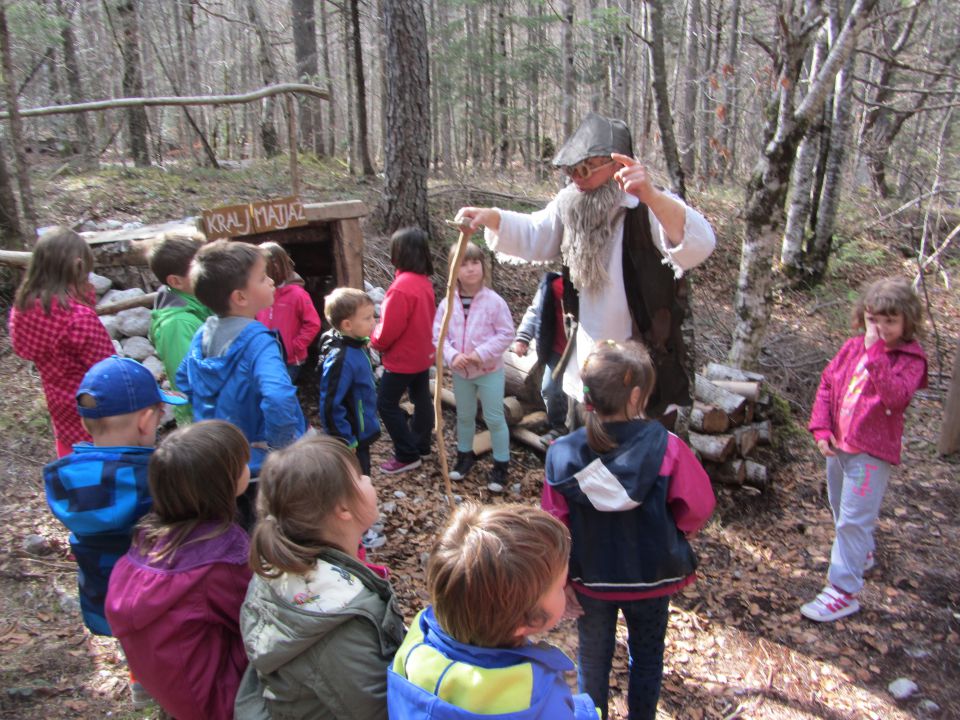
{"type": "Point", "coordinates": [727, 422]}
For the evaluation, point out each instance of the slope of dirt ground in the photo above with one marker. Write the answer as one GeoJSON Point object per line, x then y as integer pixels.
{"type": "Point", "coordinates": [737, 646]}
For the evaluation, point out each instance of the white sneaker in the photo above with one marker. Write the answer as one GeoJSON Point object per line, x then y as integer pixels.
{"type": "Point", "coordinates": [831, 604]}
{"type": "Point", "coordinates": [373, 539]}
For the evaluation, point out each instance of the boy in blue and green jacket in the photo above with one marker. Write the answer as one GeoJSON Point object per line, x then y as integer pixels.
{"type": "Point", "coordinates": [496, 576]}
{"type": "Point", "coordinates": [348, 394]}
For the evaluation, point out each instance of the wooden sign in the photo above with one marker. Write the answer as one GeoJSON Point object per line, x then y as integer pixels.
{"type": "Point", "coordinates": [238, 220]}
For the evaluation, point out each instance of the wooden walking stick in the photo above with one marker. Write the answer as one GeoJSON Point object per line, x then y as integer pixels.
{"type": "Point", "coordinates": [465, 233]}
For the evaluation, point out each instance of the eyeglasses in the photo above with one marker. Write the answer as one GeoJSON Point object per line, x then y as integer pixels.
{"type": "Point", "coordinates": [582, 171]}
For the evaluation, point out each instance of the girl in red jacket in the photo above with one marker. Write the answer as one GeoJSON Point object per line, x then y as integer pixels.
{"type": "Point", "coordinates": [54, 325]}
{"type": "Point", "coordinates": [293, 313]}
{"type": "Point", "coordinates": [404, 339]}
{"type": "Point", "coordinates": [174, 599]}
{"type": "Point", "coordinates": [857, 421]}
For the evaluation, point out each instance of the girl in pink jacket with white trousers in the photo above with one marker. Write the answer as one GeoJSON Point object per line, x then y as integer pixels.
{"type": "Point", "coordinates": [480, 331]}
{"type": "Point", "coordinates": [857, 421]}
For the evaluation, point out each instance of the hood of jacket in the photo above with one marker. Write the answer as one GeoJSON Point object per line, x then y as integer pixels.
{"type": "Point", "coordinates": [278, 630]}
{"type": "Point", "coordinates": [231, 339]}
{"type": "Point", "coordinates": [169, 583]}
{"type": "Point", "coordinates": [172, 303]}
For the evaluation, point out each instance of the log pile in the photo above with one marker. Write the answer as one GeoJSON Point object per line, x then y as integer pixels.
{"type": "Point", "coordinates": [727, 424]}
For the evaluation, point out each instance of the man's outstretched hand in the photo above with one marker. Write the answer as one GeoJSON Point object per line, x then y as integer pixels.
{"type": "Point", "coordinates": [633, 178]}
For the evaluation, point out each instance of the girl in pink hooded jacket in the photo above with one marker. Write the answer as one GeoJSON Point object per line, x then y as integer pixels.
{"type": "Point", "coordinates": [480, 331]}
{"type": "Point", "coordinates": [857, 421]}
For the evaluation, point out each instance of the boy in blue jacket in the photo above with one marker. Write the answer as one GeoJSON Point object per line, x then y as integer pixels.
{"type": "Point", "coordinates": [496, 576]}
{"type": "Point", "coordinates": [235, 370]}
{"type": "Point", "coordinates": [348, 394]}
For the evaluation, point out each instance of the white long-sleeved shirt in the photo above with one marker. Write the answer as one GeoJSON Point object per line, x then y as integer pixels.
{"type": "Point", "coordinates": [604, 315]}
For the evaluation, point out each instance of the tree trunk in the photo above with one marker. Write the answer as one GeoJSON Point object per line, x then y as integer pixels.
{"type": "Point", "coordinates": [661, 99]}
{"type": "Point", "coordinates": [348, 72]}
{"type": "Point", "coordinates": [766, 191]}
{"type": "Point", "coordinates": [85, 141]}
{"type": "Point", "coordinates": [305, 57]}
{"type": "Point", "coordinates": [11, 236]}
{"type": "Point", "coordinates": [728, 113]}
{"type": "Point", "coordinates": [501, 65]}
{"type": "Point", "coordinates": [363, 148]}
{"type": "Point", "coordinates": [331, 115]}
{"type": "Point", "coordinates": [268, 71]}
{"type": "Point", "coordinates": [615, 67]}
{"type": "Point", "coordinates": [29, 226]}
{"type": "Point", "coordinates": [569, 98]}
{"type": "Point", "coordinates": [686, 132]}
{"type": "Point", "coordinates": [133, 81]}
{"type": "Point", "coordinates": [407, 154]}
{"type": "Point", "coordinates": [444, 84]}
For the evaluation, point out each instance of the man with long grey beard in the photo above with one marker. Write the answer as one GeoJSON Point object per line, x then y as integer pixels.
{"type": "Point", "coordinates": [624, 245]}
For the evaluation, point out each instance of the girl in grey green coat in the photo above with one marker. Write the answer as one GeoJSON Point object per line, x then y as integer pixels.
{"type": "Point", "coordinates": [319, 625]}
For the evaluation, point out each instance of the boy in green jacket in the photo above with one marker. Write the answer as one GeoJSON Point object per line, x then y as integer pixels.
{"type": "Point", "coordinates": [177, 314]}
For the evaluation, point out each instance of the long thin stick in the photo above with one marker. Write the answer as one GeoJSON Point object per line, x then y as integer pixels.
{"type": "Point", "coordinates": [465, 234]}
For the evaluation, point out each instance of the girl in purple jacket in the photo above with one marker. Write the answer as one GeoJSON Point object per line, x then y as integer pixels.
{"type": "Point", "coordinates": [857, 421]}
{"type": "Point", "coordinates": [480, 331]}
{"type": "Point", "coordinates": [174, 599]}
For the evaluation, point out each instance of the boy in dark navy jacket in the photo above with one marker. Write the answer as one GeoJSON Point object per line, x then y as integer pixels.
{"type": "Point", "coordinates": [348, 395]}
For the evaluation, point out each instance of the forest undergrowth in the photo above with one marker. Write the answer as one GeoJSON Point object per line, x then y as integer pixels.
{"type": "Point", "coordinates": [737, 646]}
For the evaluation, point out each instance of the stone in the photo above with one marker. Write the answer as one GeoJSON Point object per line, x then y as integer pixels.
{"type": "Point", "coordinates": [516, 487]}
{"type": "Point", "coordinates": [155, 366]}
{"type": "Point", "coordinates": [389, 506]}
{"type": "Point", "coordinates": [376, 309]}
{"type": "Point", "coordinates": [496, 488]}
{"type": "Point", "coordinates": [112, 324]}
{"type": "Point", "coordinates": [36, 545]}
{"type": "Point", "coordinates": [902, 688]}
{"type": "Point", "coordinates": [70, 604]}
{"type": "Point", "coordinates": [111, 225]}
{"type": "Point", "coordinates": [928, 707]}
{"type": "Point", "coordinates": [368, 286]}
{"type": "Point", "coordinates": [399, 494]}
{"type": "Point", "coordinates": [131, 225]}
{"type": "Point", "coordinates": [135, 321]}
{"type": "Point", "coordinates": [138, 348]}
{"type": "Point", "coordinates": [115, 296]}
{"type": "Point", "coordinates": [377, 295]}
{"type": "Point", "coordinates": [917, 653]}
{"type": "Point", "coordinates": [100, 283]}
{"type": "Point", "coordinates": [117, 347]}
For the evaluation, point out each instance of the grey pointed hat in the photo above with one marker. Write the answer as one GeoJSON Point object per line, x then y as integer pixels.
{"type": "Point", "coordinates": [596, 136]}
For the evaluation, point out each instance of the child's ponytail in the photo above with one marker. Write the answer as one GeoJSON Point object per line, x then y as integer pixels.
{"type": "Point", "coordinates": [301, 486]}
{"type": "Point", "coordinates": [609, 374]}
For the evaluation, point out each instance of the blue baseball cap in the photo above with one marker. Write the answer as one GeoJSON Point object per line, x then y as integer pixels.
{"type": "Point", "coordinates": [120, 385]}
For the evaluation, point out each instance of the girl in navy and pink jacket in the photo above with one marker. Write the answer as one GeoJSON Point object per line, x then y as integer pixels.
{"type": "Point", "coordinates": [857, 421]}
{"type": "Point", "coordinates": [174, 599]}
{"type": "Point", "coordinates": [479, 333]}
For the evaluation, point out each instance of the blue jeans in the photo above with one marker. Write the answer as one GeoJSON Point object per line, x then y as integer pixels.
{"type": "Point", "coordinates": [646, 631]}
{"type": "Point", "coordinates": [489, 388]}
{"type": "Point", "coordinates": [410, 439]}
{"type": "Point", "coordinates": [553, 396]}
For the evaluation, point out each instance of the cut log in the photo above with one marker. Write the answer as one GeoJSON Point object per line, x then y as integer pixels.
{"type": "Point", "coordinates": [522, 378]}
{"type": "Point", "coordinates": [748, 389]}
{"type": "Point", "coordinates": [527, 437]}
{"type": "Point", "coordinates": [717, 371]}
{"type": "Point", "coordinates": [537, 419]}
{"type": "Point", "coordinates": [512, 410]}
{"type": "Point", "coordinates": [715, 448]}
{"type": "Point", "coordinates": [482, 443]}
{"type": "Point", "coordinates": [755, 475]}
{"type": "Point", "coordinates": [749, 412]}
{"type": "Point", "coordinates": [711, 394]}
{"type": "Point", "coordinates": [747, 438]}
{"type": "Point", "coordinates": [732, 472]}
{"type": "Point", "coordinates": [708, 419]}
{"type": "Point", "coordinates": [764, 430]}
{"type": "Point", "coordinates": [138, 301]}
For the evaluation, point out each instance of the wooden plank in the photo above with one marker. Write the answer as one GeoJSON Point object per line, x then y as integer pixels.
{"type": "Point", "coordinates": [231, 221]}
{"type": "Point", "coordinates": [339, 210]}
{"type": "Point", "coordinates": [348, 253]}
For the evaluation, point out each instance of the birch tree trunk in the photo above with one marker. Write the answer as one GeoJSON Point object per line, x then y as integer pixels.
{"type": "Point", "coordinates": [767, 188]}
{"type": "Point", "coordinates": [661, 98]}
{"type": "Point", "coordinates": [349, 84]}
{"type": "Point", "coordinates": [407, 154]}
{"type": "Point", "coordinates": [133, 81]}
{"type": "Point", "coordinates": [29, 225]}
{"type": "Point", "coordinates": [569, 89]}
{"type": "Point", "coordinates": [268, 71]}
{"type": "Point", "coordinates": [727, 115]}
{"type": "Point", "coordinates": [85, 141]}
{"type": "Point", "coordinates": [331, 114]}
{"type": "Point", "coordinates": [686, 130]}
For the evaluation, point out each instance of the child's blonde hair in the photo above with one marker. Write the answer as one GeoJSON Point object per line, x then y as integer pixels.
{"type": "Point", "coordinates": [279, 263]}
{"type": "Point", "coordinates": [342, 304]}
{"type": "Point", "coordinates": [58, 270]}
{"type": "Point", "coordinates": [300, 487]}
{"type": "Point", "coordinates": [609, 374]}
{"type": "Point", "coordinates": [489, 569]}
{"type": "Point", "coordinates": [193, 478]}
{"type": "Point", "coordinates": [472, 252]}
{"type": "Point", "coordinates": [891, 296]}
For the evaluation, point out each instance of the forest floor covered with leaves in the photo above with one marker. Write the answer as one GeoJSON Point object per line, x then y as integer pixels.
{"type": "Point", "coordinates": [737, 646]}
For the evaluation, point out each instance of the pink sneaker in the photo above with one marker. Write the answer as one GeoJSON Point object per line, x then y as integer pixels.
{"type": "Point", "coordinates": [394, 466]}
{"type": "Point", "coordinates": [831, 604]}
